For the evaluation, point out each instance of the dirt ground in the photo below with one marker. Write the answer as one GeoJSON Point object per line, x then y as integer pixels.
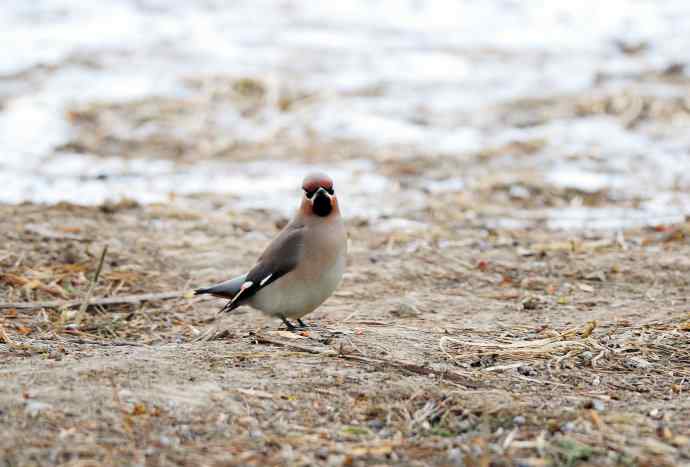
{"type": "Point", "coordinates": [452, 345]}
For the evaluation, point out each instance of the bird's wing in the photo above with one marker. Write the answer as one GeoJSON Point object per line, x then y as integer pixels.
{"type": "Point", "coordinates": [279, 258]}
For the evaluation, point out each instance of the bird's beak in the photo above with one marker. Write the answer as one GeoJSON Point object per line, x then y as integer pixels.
{"type": "Point", "coordinates": [320, 193]}
{"type": "Point", "coordinates": [322, 203]}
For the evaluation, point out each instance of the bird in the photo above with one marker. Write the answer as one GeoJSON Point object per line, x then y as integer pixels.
{"type": "Point", "coordinates": [301, 267]}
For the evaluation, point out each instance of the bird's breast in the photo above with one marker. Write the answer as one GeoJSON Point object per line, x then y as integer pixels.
{"type": "Point", "coordinates": [302, 290]}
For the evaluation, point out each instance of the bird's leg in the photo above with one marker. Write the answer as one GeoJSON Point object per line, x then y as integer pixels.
{"type": "Point", "coordinates": [287, 323]}
{"type": "Point", "coordinates": [302, 323]}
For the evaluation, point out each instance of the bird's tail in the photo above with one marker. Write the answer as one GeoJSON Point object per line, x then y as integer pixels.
{"type": "Point", "coordinates": [227, 289]}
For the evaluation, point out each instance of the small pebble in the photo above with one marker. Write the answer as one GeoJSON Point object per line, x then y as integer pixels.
{"type": "Point", "coordinates": [534, 283]}
{"type": "Point", "coordinates": [638, 362]}
{"type": "Point", "coordinates": [455, 456]}
{"type": "Point", "coordinates": [680, 441]}
{"type": "Point", "coordinates": [568, 427]}
{"type": "Point", "coordinates": [519, 420]}
{"type": "Point", "coordinates": [532, 302]}
{"type": "Point", "coordinates": [376, 424]}
{"type": "Point", "coordinates": [403, 308]}
{"type": "Point", "coordinates": [34, 408]}
{"type": "Point", "coordinates": [336, 460]}
{"type": "Point", "coordinates": [595, 404]}
{"type": "Point", "coordinates": [164, 441]}
{"type": "Point", "coordinates": [322, 453]}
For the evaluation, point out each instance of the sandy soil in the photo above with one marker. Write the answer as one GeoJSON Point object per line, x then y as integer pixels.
{"type": "Point", "coordinates": [451, 345]}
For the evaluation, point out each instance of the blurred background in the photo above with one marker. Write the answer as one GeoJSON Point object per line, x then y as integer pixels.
{"type": "Point", "coordinates": [566, 114]}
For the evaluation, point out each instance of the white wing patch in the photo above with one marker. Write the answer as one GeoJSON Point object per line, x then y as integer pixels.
{"type": "Point", "coordinates": [244, 287]}
{"type": "Point", "coordinates": [264, 280]}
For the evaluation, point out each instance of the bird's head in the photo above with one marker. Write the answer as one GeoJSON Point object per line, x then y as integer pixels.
{"type": "Point", "coordinates": [319, 197]}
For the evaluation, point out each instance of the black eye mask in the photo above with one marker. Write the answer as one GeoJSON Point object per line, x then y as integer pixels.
{"type": "Point", "coordinates": [310, 194]}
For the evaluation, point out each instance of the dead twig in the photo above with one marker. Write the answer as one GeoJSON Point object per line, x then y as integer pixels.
{"type": "Point", "coordinates": [18, 281]}
{"type": "Point", "coordinates": [378, 362]}
{"type": "Point", "coordinates": [211, 333]}
{"type": "Point", "coordinates": [104, 343]}
{"type": "Point", "coordinates": [6, 339]}
{"type": "Point", "coordinates": [12, 344]}
{"type": "Point", "coordinates": [351, 315]}
{"type": "Point", "coordinates": [540, 381]}
{"type": "Point", "coordinates": [121, 300]}
{"type": "Point", "coordinates": [46, 232]}
{"type": "Point", "coordinates": [82, 310]}
{"type": "Point", "coordinates": [81, 341]}
{"type": "Point", "coordinates": [370, 323]}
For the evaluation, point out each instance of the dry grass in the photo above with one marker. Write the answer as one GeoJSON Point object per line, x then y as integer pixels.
{"type": "Point", "coordinates": [527, 347]}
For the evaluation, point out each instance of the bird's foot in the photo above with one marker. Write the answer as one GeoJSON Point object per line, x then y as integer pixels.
{"type": "Point", "coordinates": [288, 324]}
{"type": "Point", "coordinates": [302, 324]}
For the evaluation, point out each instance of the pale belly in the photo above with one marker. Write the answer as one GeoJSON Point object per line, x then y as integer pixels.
{"type": "Point", "coordinates": [280, 298]}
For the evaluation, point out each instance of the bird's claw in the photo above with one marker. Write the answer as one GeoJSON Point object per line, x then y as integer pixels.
{"type": "Point", "coordinates": [288, 324]}
{"type": "Point", "coordinates": [291, 327]}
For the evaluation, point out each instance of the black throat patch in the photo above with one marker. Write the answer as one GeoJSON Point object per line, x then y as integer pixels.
{"type": "Point", "coordinates": [322, 205]}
